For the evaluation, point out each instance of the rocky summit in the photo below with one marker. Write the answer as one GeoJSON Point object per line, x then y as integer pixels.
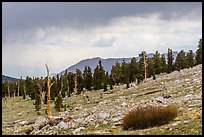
{"type": "Point", "coordinates": [101, 113]}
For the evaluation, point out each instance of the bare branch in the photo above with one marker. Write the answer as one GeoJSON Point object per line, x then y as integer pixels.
{"type": "Point", "coordinates": [52, 84]}
{"type": "Point", "coordinates": [47, 69]}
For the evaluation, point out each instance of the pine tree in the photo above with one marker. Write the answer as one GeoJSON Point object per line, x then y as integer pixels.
{"type": "Point", "coordinates": [150, 67]}
{"type": "Point", "coordinates": [110, 82]}
{"type": "Point", "coordinates": [71, 83]}
{"type": "Point", "coordinates": [157, 62]}
{"type": "Point", "coordinates": [198, 57]}
{"type": "Point", "coordinates": [170, 61]}
{"type": "Point", "coordinates": [21, 87]}
{"type": "Point", "coordinates": [87, 76]}
{"type": "Point", "coordinates": [101, 75]}
{"type": "Point", "coordinates": [45, 90]}
{"type": "Point", "coordinates": [89, 79]}
{"type": "Point", "coordinates": [4, 89]}
{"type": "Point", "coordinates": [105, 81]}
{"type": "Point", "coordinates": [58, 83]}
{"type": "Point", "coordinates": [96, 81]}
{"type": "Point", "coordinates": [54, 89]}
{"type": "Point", "coordinates": [58, 102]}
{"type": "Point", "coordinates": [180, 62]}
{"type": "Point", "coordinates": [190, 59]}
{"type": "Point", "coordinates": [63, 86]}
{"type": "Point", "coordinates": [163, 64]}
{"type": "Point", "coordinates": [24, 89]}
{"type": "Point", "coordinates": [12, 88]}
{"type": "Point", "coordinates": [116, 73]}
{"type": "Point", "coordinates": [134, 69]}
{"type": "Point", "coordinates": [142, 66]}
{"type": "Point", "coordinates": [125, 74]}
{"type": "Point", "coordinates": [38, 95]}
{"type": "Point", "coordinates": [30, 87]}
{"type": "Point", "coordinates": [79, 81]}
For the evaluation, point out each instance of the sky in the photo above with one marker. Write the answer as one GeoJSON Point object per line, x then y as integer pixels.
{"type": "Point", "coordinates": [62, 34]}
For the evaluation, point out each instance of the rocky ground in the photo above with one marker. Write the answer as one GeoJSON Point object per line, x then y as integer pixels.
{"type": "Point", "coordinates": [99, 112]}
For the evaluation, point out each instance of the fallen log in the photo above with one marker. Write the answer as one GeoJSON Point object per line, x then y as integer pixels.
{"type": "Point", "coordinates": [26, 123]}
{"type": "Point", "coordinates": [151, 92]}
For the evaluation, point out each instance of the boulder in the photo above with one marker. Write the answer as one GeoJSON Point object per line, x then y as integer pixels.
{"type": "Point", "coordinates": [116, 119]}
{"type": "Point", "coordinates": [123, 104]}
{"type": "Point", "coordinates": [78, 130]}
{"type": "Point", "coordinates": [159, 99]}
{"type": "Point", "coordinates": [103, 115]}
{"type": "Point", "coordinates": [62, 125]}
{"type": "Point", "coordinates": [40, 122]}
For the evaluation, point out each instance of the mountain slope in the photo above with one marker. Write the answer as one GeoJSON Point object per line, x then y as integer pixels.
{"type": "Point", "coordinates": [7, 78]}
{"type": "Point", "coordinates": [101, 113]}
{"type": "Point", "coordinates": [106, 63]}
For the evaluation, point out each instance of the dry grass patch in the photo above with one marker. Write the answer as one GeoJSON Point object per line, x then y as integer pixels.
{"type": "Point", "coordinates": [144, 117]}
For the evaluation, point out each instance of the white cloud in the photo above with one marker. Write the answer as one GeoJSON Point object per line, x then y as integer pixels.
{"type": "Point", "coordinates": [62, 47]}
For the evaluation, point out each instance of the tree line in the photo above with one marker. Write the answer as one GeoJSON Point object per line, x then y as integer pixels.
{"type": "Point", "coordinates": [70, 83]}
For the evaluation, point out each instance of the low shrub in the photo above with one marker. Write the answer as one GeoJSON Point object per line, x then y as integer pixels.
{"type": "Point", "coordinates": [150, 116]}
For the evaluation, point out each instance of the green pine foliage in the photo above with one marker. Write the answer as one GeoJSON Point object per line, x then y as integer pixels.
{"type": "Point", "coordinates": [98, 76]}
{"type": "Point", "coordinates": [110, 82]}
{"type": "Point", "coordinates": [65, 84]}
{"type": "Point", "coordinates": [70, 83]}
{"type": "Point", "coordinates": [180, 62]}
{"type": "Point", "coordinates": [87, 78]}
{"type": "Point", "coordinates": [79, 81]}
{"type": "Point", "coordinates": [150, 67]}
{"type": "Point", "coordinates": [37, 102]}
{"type": "Point", "coordinates": [163, 63]}
{"type": "Point", "coordinates": [170, 59]}
{"type": "Point", "coordinates": [37, 95]}
{"type": "Point", "coordinates": [190, 59]}
{"type": "Point", "coordinates": [54, 89]}
{"type": "Point", "coordinates": [101, 75]}
{"type": "Point", "coordinates": [30, 87]}
{"type": "Point", "coordinates": [141, 65]}
{"type": "Point", "coordinates": [58, 102]}
{"type": "Point", "coordinates": [134, 69]}
{"type": "Point", "coordinates": [157, 62]}
{"type": "Point", "coordinates": [116, 73]}
{"type": "Point", "coordinates": [105, 82]}
{"type": "Point", "coordinates": [198, 57]}
{"type": "Point", "coordinates": [96, 81]}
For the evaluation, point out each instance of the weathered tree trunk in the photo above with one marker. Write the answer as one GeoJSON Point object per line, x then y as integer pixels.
{"type": "Point", "coordinates": [24, 91]}
{"type": "Point", "coordinates": [145, 66]}
{"type": "Point", "coordinates": [136, 81]}
{"type": "Point", "coordinates": [68, 90]}
{"type": "Point", "coordinates": [13, 102]}
{"type": "Point", "coordinates": [41, 95]}
{"type": "Point", "coordinates": [18, 87]}
{"type": "Point", "coordinates": [75, 85]}
{"type": "Point", "coordinates": [48, 92]}
{"type": "Point", "coordinates": [67, 87]}
{"type": "Point", "coordinates": [8, 90]}
{"type": "Point", "coordinates": [61, 84]}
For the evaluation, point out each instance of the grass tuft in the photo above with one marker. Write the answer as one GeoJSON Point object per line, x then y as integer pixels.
{"type": "Point", "coordinates": [150, 116]}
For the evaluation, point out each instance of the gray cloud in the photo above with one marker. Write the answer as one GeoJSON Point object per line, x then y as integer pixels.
{"type": "Point", "coordinates": [104, 42]}
{"type": "Point", "coordinates": [61, 34]}
{"type": "Point", "coordinates": [27, 15]}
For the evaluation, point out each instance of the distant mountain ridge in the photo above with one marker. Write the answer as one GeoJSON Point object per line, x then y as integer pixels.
{"type": "Point", "coordinates": [8, 78]}
{"type": "Point", "coordinates": [106, 63]}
